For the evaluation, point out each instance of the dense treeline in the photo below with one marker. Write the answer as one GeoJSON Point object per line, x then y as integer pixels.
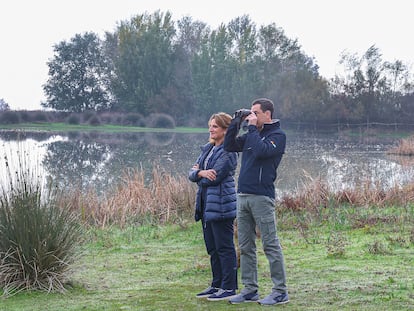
{"type": "Point", "coordinates": [152, 64]}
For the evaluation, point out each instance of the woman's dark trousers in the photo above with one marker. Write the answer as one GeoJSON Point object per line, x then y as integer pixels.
{"type": "Point", "coordinates": [218, 237]}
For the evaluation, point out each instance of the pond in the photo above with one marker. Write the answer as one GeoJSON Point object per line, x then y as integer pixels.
{"type": "Point", "coordinates": [100, 159]}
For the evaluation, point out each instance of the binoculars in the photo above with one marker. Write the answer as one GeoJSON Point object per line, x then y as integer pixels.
{"type": "Point", "coordinates": [242, 113]}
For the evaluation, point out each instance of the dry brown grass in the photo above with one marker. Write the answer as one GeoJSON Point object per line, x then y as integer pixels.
{"type": "Point", "coordinates": [405, 147]}
{"type": "Point", "coordinates": [171, 199]}
{"type": "Point", "coordinates": [165, 199]}
{"type": "Point", "coordinates": [363, 206]}
{"type": "Point", "coordinates": [316, 194]}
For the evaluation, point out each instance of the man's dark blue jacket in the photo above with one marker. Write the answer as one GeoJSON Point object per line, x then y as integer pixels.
{"type": "Point", "coordinates": [262, 153]}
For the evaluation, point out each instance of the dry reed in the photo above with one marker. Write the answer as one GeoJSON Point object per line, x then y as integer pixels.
{"type": "Point", "coordinates": [164, 199]}
{"type": "Point", "coordinates": [405, 147]}
{"type": "Point", "coordinates": [168, 199]}
{"type": "Point", "coordinates": [317, 194]}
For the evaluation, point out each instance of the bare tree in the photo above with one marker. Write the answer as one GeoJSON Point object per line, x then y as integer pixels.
{"type": "Point", "coordinates": [3, 105]}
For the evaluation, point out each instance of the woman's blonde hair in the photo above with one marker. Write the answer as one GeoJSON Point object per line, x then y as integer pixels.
{"type": "Point", "coordinates": [222, 119]}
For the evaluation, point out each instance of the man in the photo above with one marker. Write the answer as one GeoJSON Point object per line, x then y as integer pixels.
{"type": "Point", "coordinates": [263, 147]}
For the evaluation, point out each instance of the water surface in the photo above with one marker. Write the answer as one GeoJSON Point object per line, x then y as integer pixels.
{"type": "Point", "coordinates": [100, 159]}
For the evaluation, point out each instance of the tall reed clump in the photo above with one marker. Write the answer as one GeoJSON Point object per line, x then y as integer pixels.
{"type": "Point", "coordinates": [38, 238]}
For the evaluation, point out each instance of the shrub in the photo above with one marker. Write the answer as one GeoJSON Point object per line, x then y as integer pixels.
{"type": "Point", "coordinates": [9, 117]}
{"type": "Point", "coordinates": [107, 117]}
{"type": "Point", "coordinates": [87, 116]}
{"type": "Point", "coordinates": [57, 116]}
{"type": "Point", "coordinates": [38, 237]}
{"type": "Point", "coordinates": [161, 120]}
{"type": "Point", "coordinates": [40, 116]}
{"type": "Point", "coordinates": [73, 119]}
{"type": "Point", "coordinates": [135, 119]}
{"type": "Point", "coordinates": [94, 120]}
{"type": "Point", "coordinates": [25, 116]}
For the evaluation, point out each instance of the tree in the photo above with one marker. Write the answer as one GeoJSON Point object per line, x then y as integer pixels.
{"type": "Point", "coordinates": [3, 105]}
{"type": "Point", "coordinates": [143, 60]}
{"type": "Point", "coordinates": [289, 77]}
{"type": "Point", "coordinates": [190, 35]}
{"type": "Point", "coordinates": [78, 76]}
{"type": "Point", "coordinates": [243, 53]}
{"type": "Point", "coordinates": [368, 86]}
{"type": "Point", "coordinates": [179, 97]}
{"type": "Point", "coordinates": [399, 85]}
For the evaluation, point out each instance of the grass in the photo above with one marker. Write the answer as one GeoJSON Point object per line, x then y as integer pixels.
{"type": "Point", "coordinates": [338, 266]}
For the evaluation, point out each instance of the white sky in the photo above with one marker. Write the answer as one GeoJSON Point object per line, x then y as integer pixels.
{"type": "Point", "coordinates": [324, 29]}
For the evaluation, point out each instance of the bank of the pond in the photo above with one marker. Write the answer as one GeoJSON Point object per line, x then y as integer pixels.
{"type": "Point", "coordinates": [332, 264]}
{"type": "Point", "coordinates": [108, 128]}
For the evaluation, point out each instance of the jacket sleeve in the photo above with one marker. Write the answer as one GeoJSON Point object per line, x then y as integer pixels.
{"type": "Point", "coordinates": [226, 164]}
{"type": "Point", "coordinates": [266, 147]}
{"type": "Point", "coordinates": [232, 142]}
{"type": "Point", "coordinates": [193, 174]}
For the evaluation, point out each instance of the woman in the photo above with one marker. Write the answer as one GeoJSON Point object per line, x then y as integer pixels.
{"type": "Point", "coordinates": [216, 208]}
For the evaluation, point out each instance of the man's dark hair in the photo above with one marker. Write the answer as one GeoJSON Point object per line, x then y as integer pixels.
{"type": "Point", "coordinates": [265, 105]}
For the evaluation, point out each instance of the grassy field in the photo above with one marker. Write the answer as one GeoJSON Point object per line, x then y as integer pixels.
{"type": "Point", "coordinates": [334, 263]}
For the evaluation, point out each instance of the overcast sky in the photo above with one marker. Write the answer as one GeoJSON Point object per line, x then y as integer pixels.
{"type": "Point", "coordinates": [324, 29]}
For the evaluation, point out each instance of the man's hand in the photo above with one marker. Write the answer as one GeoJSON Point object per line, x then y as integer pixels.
{"type": "Point", "coordinates": [252, 119]}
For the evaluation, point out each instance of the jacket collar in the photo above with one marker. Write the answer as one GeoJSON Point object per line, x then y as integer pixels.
{"type": "Point", "coordinates": [208, 146]}
{"type": "Point", "coordinates": [273, 123]}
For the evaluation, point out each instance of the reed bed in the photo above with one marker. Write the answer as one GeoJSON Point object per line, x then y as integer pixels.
{"type": "Point", "coordinates": [165, 198]}
{"type": "Point", "coordinates": [317, 193]}
{"type": "Point", "coordinates": [170, 199]}
{"type": "Point", "coordinates": [363, 206]}
{"type": "Point", "coordinates": [405, 147]}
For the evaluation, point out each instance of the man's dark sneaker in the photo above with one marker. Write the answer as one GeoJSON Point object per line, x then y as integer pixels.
{"type": "Point", "coordinates": [207, 292]}
{"type": "Point", "coordinates": [274, 298]}
{"type": "Point", "coordinates": [222, 294]}
{"type": "Point", "coordinates": [245, 297]}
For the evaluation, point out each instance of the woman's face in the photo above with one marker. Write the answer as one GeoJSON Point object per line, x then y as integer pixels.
{"type": "Point", "coordinates": [216, 132]}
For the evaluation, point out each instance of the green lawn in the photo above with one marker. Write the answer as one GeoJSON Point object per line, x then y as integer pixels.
{"type": "Point", "coordinates": [330, 266]}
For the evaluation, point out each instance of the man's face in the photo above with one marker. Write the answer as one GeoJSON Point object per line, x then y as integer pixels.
{"type": "Point", "coordinates": [262, 117]}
